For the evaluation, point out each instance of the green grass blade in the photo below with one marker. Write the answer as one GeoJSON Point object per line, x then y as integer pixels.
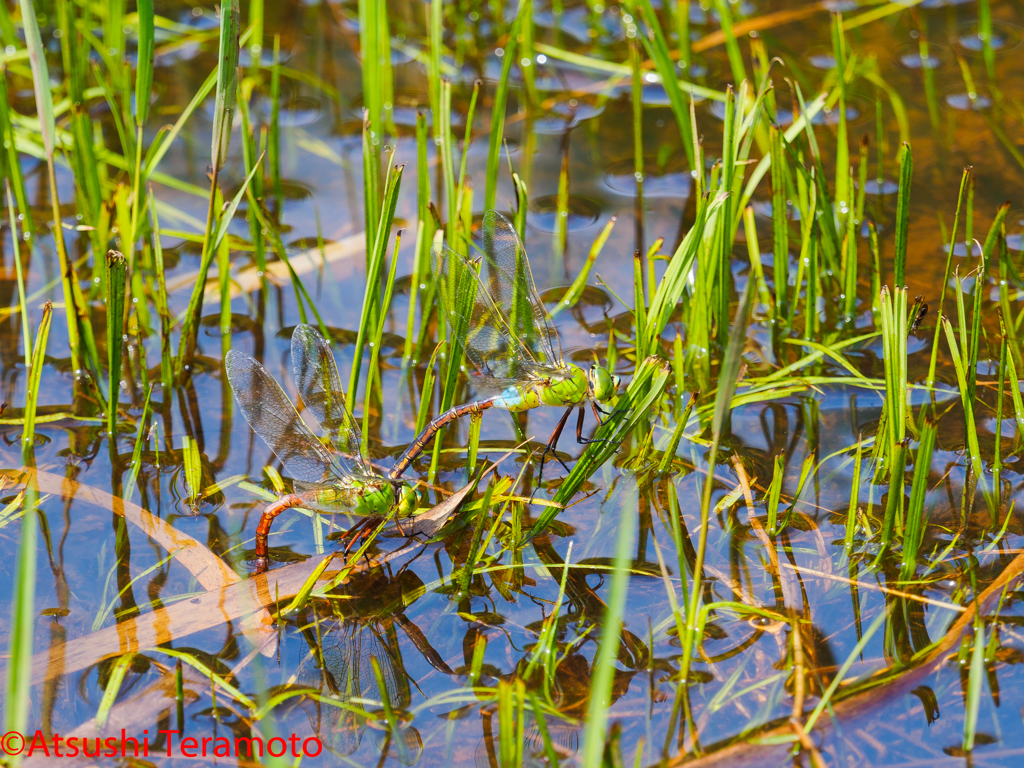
{"type": "Point", "coordinates": [373, 278]}
{"type": "Point", "coordinates": [17, 701]}
{"type": "Point", "coordinates": [116, 280]}
{"type": "Point", "coordinates": [26, 332]}
{"type": "Point", "coordinates": [229, 212]}
{"type": "Point", "coordinates": [114, 681]}
{"type": "Point", "coordinates": [497, 132]}
{"type": "Point", "coordinates": [227, 83]}
{"type": "Point", "coordinates": [153, 159]}
{"type": "Point", "coordinates": [916, 521]}
{"type": "Point", "coordinates": [40, 76]}
{"type": "Point", "coordinates": [572, 295]}
{"type": "Point", "coordinates": [968, 406]}
{"type": "Point", "coordinates": [903, 216]}
{"type": "Point", "coordinates": [35, 375]}
{"type": "Point", "coordinates": [975, 684]}
{"type": "Point", "coordinates": [677, 276]}
{"type": "Point", "coordinates": [657, 48]}
{"type": "Point", "coordinates": [144, 70]}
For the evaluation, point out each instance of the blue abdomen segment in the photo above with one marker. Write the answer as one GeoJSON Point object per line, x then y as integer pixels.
{"type": "Point", "coordinates": [511, 399]}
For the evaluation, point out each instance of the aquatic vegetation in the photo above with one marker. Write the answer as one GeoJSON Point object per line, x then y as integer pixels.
{"type": "Point", "coordinates": [794, 532]}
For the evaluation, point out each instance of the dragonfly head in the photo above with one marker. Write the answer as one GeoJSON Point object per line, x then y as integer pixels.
{"type": "Point", "coordinates": [603, 385]}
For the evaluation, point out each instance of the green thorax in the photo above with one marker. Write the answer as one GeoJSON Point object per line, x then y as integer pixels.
{"type": "Point", "coordinates": [565, 386]}
{"type": "Point", "coordinates": [365, 498]}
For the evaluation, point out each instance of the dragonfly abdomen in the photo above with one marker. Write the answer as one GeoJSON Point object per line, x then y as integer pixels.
{"type": "Point", "coordinates": [423, 438]}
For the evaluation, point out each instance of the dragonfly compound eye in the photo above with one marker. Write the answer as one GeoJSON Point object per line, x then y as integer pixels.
{"type": "Point", "coordinates": [602, 384]}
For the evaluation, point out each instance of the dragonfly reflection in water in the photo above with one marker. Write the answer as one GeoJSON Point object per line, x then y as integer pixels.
{"type": "Point", "coordinates": [498, 318]}
{"type": "Point", "coordinates": [344, 634]}
{"type": "Point", "coordinates": [329, 479]}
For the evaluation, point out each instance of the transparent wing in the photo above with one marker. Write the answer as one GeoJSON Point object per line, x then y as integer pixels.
{"type": "Point", "coordinates": [319, 385]}
{"type": "Point", "coordinates": [495, 311]}
{"type": "Point", "coordinates": [505, 272]}
{"type": "Point", "coordinates": [273, 417]}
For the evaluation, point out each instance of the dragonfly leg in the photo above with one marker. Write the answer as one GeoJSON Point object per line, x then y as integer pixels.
{"type": "Point", "coordinates": [262, 559]}
{"type": "Point", "coordinates": [550, 448]}
{"type": "Point", "coordinates": [579, 428]}
{"type": "Point", "coordinates": [601, 416]}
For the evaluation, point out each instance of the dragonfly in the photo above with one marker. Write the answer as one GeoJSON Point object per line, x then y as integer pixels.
{"type": "Point", "coordinates": [495, 315]}
{"type": "Point", "coordinates": [328, 479]}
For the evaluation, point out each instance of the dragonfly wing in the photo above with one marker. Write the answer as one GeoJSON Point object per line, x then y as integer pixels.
{"type": "Point", "coordinates": [319, 385]}
{"type": "Point", "coordinates": [272, 416]}
{"type": "Point", "coordinates": [477, 320]}
{"type": "Point", "coordinates": [506, 274]}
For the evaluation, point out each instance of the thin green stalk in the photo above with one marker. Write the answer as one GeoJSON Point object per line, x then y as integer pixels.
{"type": "Point", "coordinates": [223, 116]}
{"type": "Point", "coordinates": [573, 293]}
{"type": "Point", "coordinates": [371, 295]}
{"type": "Point", "coordinates": [274, 134]}
{"type": "Point", "coordinates": [965, 181]}
{"type": "Point", "coordinates": [375, 343]}
{"type": "Point", "coordinates": [657, 49]}
{"type": "Point", "coordinates": [968, 406]}
{"type": "Point", "coordinates": [44, 109]}
{"type": "Point", "coordinates": [497, 132]}
{"type": "Point", "coordinates": [17, 699]}
{"type": "Point", "coordinates": [469, 134]}
{"type": "Point", "coordinates": [780, 224]}
{"type": "Point", "coordinates": [844, 187]}
{"type": "Point", "coordinates": [975, 684]}
{"type": "Point", "coordinates": [903, 216]}
{"type": "Point", "coordinates": [732, 47]}
{"type": "Point", "coordinates": [116, 280]}
{"type": "Point", "coordinates": [143, 94]}
{"type": "Point", "coordinates": [851, 514]}
{"type": "Point", "coordinates": [166, 372]}
{"type": "Point", "coordinates": [26, 332]}
{"type": "Point", "coordinates": [916, 520]}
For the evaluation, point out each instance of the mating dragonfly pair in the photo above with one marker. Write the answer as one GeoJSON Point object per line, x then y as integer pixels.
{"type": "Point", "coordinates": [494, 315]}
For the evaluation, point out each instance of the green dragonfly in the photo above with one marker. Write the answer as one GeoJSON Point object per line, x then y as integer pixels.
{"type": "Point", "coordinates": [328, 478]}
{"type": "Point", "coordinates": [494, 312]}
